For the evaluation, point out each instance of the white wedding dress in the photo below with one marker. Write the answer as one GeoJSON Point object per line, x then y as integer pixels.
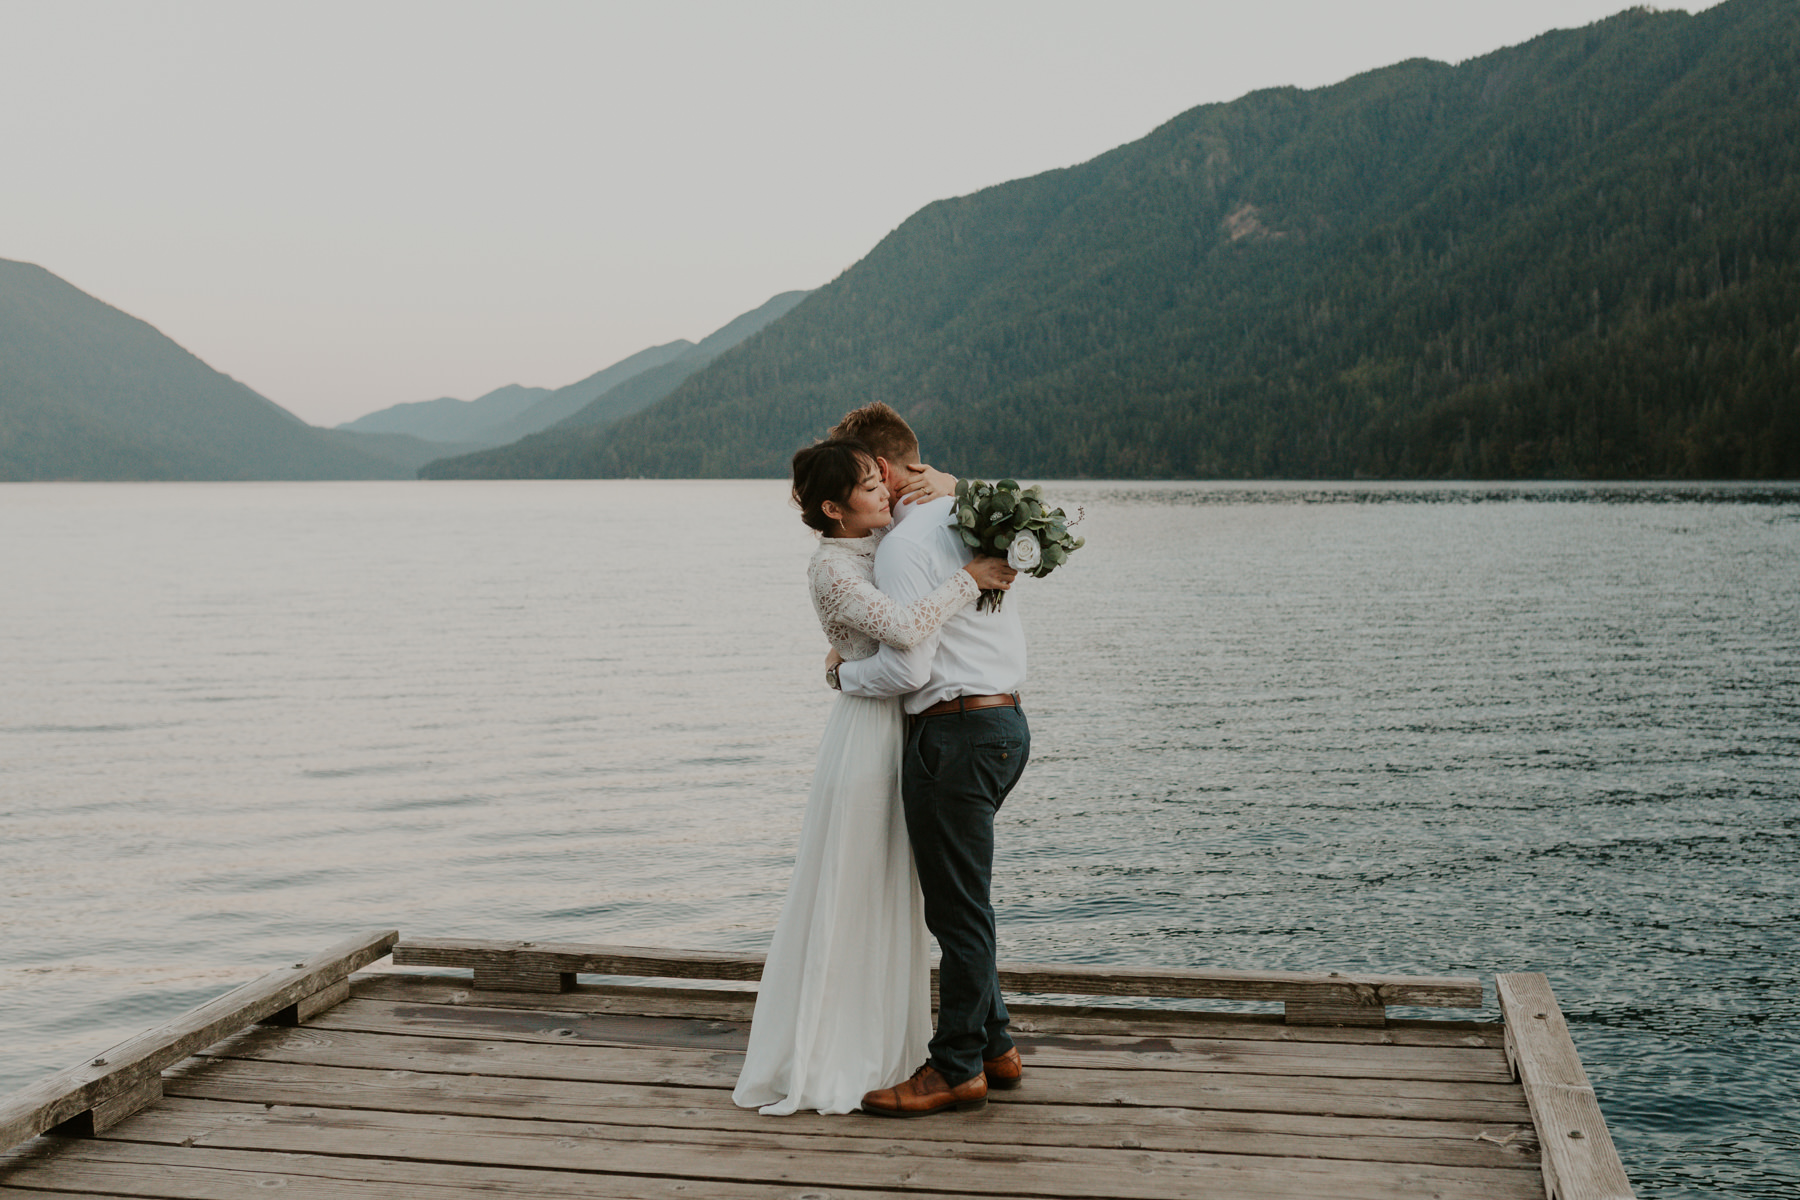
{"type": "Point", "coordinates": [844, 1006]}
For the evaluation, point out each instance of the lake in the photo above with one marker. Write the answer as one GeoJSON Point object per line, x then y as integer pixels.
{"type": "Point", "coordinates": [1448, 730]}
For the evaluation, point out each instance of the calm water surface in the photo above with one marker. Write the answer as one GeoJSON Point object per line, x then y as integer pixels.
{"type": "Point", "coordinates": [1457, 730]}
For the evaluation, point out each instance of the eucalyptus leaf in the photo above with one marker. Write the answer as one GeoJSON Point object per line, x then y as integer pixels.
{"type": "Point", "coordinates": [989, 517]}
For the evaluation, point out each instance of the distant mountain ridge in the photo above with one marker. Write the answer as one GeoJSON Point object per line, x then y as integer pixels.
{"type": "Point", "coordinates": [448, 419]}
{"type": "Point", "coordinates": [508, 413]}
{"type": "Point", "coordinates": [566, 401]}
{"type": "Point", "coordinates": [488, 425]}
{"type": "Point", "coordinates": [640, 392]}
{"type": "Point", "coordinates": [628, 394]}
{"type": "Point", "coordinates": [90, 392]}
{"type": "Point", "coordinates": [1575, 257]}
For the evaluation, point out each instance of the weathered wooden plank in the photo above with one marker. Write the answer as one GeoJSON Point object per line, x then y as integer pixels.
{"type": "Point", "coordinates": [797, 1159]}
{"type": "Point", "coordinates": [308, 1007]}
{"type": "Point", "coordinates": [124, 1069]}
{"type": "Point", "coordinates": [528, 1025]}
{"type": "Point", "coordinates": [115, 1108]}
{"type": "Point", "coordinates": [622, 999]}
{"type": "Point", "coordinates": [176, 1172]}
{"type": "Point", "coordinates": [1272, 1093]}
{"type": "Point", "coordinates": [1035, 1018]}
{"type": "Point", "coordinates": [1335, 988]}
{"type": "Point", "coordinates": [706, 1058]}
{"type": "Point", "coordinates": [625, 999]}
{"type": "Point", "coordinates": [1437, 1142]}
{"type": "Point", "coordinates": [721, 1005]}
{"type": "Point", "coordinates": [1209, 1054]}
{"type": "Point", "coordinates": [1265, 1058]}
{"type": "Point", "coordinates": [503, 977]}
{"type": "Point", "coordinates": [1303, 1012]}
{"type": "Point", "coordinates": [560, 958]}
{"type": "Point", "coordinates": [1579, 1160]}
{"type": "Point", "coordinates": [1317, 987]}
{"type": "Point", "coordinates": [699, 1104]}
{"type": "Point", "coordinates": [1537, 1032]}
{"type": "Point", "coordinates": [1428, 1099]}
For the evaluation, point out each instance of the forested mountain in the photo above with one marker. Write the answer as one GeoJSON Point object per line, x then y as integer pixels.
{"type": "Point", "coordinates": [1575, 257]}
{"type": "Point", "coordinates": [628, 394]}
{"type": "Point", "coordinates": [646, 389]}
{"type": "Point", "coordinates": [88, 392]}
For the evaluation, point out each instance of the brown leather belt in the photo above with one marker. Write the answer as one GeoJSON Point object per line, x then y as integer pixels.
{"type": "Point", "coordinates": [971, 703]}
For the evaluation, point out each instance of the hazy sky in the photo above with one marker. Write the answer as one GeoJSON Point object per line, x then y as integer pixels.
{"type": "Point", "coordinates": [350, 205]}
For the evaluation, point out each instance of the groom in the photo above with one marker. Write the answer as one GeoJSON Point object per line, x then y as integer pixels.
{"type": "Point", "coordinates": [966, 745]}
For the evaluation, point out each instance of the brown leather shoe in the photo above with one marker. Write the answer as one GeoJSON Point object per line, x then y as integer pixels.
{"type": "Point", "coordinates": [926, 1093]}
{"type": "Point", "coordinates": [1003, 1073]}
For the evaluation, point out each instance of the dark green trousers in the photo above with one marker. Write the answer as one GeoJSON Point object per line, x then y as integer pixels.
{"type": "Point", "coordinates": [957, 772]}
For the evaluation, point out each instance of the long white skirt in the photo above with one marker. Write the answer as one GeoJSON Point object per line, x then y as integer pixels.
{"type": "Point", "coordinates": [845, 1001]}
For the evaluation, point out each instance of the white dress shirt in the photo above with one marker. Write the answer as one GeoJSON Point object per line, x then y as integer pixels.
{"type": "Point", "coordinates": [973, 654]}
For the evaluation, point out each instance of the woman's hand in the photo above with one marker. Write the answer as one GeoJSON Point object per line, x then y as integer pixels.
{"type": "Point", "coordinates": [925, 482]}
{"type": "Point", "coordinates": [991, 573]}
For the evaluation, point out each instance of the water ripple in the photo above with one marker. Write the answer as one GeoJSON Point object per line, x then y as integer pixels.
{"type": "Point", "coordinates": [1449, 730]}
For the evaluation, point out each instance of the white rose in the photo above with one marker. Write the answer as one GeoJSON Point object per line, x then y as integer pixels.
{"type": "Point", "coordinates": [1024, 554]}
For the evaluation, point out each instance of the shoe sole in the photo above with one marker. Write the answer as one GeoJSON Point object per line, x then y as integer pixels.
{"type": "Point", "coordinates": [958, 1106]}
{"type": "Point", "coordinates": [1002, 1085]}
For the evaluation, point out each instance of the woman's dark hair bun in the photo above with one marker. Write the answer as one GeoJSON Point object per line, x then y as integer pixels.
{"type": "Point", "coordinates": [827, 471]}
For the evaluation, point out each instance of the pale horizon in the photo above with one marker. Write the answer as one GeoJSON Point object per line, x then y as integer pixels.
{"type": "Point", "coordinates": [347, 207]}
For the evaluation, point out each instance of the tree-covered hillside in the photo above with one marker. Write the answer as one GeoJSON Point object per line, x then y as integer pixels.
{"type": "Point", "coordinates": [1575, 257]}
{"type": "Point", "coordinates": [89, 392]}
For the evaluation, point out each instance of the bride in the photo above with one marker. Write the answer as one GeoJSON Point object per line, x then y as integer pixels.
{"type": "Point", "coordinates": [844, 1006]}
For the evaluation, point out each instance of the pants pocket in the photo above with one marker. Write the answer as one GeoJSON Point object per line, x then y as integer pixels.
{"type": "Point", "coordinates": [997, 760]}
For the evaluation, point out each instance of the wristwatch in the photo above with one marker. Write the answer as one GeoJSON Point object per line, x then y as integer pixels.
{"type": "Point", "coordinates": [832, 679]}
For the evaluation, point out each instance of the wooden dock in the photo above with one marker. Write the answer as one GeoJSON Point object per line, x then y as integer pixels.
{"type": "Point", "coordinates": [318, 1081]}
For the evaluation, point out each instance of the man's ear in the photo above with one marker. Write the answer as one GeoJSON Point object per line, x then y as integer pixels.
{"type": "Point", "coordinates": [882, 465]}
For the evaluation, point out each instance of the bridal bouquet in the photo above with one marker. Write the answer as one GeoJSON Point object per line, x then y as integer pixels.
{"type": "Point", "coordinates": [1003, 518]}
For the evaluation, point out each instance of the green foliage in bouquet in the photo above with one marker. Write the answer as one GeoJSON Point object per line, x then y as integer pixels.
{"type": "Point", "coordinates": [1006, 520]}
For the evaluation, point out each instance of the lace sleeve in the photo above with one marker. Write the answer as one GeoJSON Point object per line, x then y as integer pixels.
{"type": "Point", "coordinates": [846, 597]}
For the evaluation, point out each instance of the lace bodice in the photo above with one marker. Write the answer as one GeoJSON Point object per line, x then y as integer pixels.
{"type": "Point", "coordinates": [857, 617]}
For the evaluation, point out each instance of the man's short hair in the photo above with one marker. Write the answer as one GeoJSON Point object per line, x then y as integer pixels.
{"type": "Point", "coordinates": [882, 430]}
